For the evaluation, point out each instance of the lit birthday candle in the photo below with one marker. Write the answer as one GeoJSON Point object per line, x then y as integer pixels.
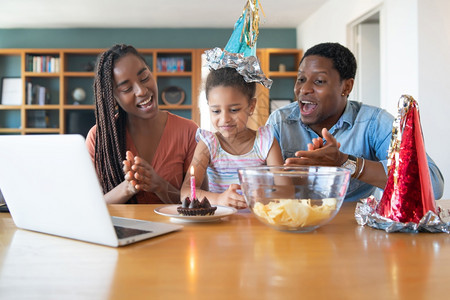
{"type": "Point", "coordinates": [192, 184]}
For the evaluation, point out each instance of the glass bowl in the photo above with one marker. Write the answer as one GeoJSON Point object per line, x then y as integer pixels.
{"type": "Point", "coordinates": [294, 199]}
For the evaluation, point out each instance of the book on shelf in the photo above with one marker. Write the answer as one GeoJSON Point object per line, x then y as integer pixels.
{"type": "Point", "coordinates": [29, 93]}
{"type": "Point", "coordinates": [37, 94]}
{"type": "Point", "coordinates": [11, 91]}
{"type": "Point", "coordinates": [37, 119]}
{"type": "Point", "coordinates": [43, 63]}
{"type": "Point", "coordinates": [42, 97]}
{"type": "Point", "coordinates": [170, 64]}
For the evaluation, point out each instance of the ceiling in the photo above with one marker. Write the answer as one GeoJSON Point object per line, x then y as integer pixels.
{"type": "Point", "coordinates": [148, 13]}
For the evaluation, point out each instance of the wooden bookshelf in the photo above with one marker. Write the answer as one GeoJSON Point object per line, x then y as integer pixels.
{"type": "Point", "coordinates": [61, 113]}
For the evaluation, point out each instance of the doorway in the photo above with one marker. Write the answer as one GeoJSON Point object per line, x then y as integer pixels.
{"type": "Point", "coordinates": [365, 43]}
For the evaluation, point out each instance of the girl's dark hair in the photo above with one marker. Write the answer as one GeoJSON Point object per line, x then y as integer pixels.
{"type": "Point", "coordinates": [229, 77]}
{"type": "Point", "coordinates": [110, 143]}
{"type": "Point", "coordinates": [343, 59]}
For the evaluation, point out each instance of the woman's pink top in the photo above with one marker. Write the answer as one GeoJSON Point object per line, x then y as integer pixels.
{"type": "Point", "coordinates": [172, 157]}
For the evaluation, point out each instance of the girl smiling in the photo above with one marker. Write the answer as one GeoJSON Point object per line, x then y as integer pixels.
{"type": "Point", "coordinates": [218, 155]}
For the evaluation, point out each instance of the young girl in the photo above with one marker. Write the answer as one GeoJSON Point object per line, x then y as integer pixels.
{"type": "Point", "coordinates": [219, 155]}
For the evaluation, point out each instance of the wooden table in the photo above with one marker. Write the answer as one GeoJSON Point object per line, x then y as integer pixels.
{"type": "Point", "coordinates": [236, 258]}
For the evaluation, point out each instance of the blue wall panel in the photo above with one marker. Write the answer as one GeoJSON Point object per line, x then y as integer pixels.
{"type": "Point", "coordinates": [138, 37]}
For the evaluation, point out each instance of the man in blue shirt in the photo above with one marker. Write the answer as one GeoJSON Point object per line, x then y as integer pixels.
{"type": "Point", "coordinates": [340, 132]}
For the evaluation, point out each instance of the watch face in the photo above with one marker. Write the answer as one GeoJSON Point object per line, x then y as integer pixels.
{"type": "Point", "coordinates": [351, 165]}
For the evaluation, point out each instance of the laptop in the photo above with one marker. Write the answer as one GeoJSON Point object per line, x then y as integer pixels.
{"type": "Point", "coordinates": [50, 185]}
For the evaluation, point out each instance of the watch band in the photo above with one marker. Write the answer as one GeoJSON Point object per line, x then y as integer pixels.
{"type": "Point", "coordinates": [352, 158]}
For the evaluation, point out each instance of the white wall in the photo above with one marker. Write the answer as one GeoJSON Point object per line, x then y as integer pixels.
{"type": "Point", "coordinates": [400, 49]}
{"type": "Point", "coordinates": [414, 57]}
{"type": "Point", "coordinates": [434, 81]}
{"type": "Point", "coordinates": [329, 23]}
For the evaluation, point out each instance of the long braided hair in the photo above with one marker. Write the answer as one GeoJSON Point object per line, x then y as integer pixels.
{"type": "Point", "coordinates": [110, 119]}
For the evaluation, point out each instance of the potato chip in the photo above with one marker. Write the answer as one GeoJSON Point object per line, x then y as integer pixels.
{"type": "Point", "coordinates": [295, 213]}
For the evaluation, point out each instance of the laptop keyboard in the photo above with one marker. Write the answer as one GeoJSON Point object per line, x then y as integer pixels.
{"type": "Point", "coordinates": [124, 232]}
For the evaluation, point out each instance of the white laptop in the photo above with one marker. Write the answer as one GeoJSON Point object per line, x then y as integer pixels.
{"type": "Point", "coordinates": [50, 185]}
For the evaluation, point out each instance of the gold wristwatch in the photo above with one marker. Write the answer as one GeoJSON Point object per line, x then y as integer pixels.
{"type": "Point", "coordinates": [351, 164]}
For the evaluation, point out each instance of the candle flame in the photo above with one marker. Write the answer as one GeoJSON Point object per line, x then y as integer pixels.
{"type": "Point", "coordinates": [192, 170]}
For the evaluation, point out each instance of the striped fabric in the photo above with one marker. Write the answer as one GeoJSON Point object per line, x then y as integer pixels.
{"type": "Point", "coordinates": [222, 170]}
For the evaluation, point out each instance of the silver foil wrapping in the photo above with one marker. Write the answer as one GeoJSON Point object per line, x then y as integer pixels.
{"type": "Point", "coordinates": [248, 67]}
{"type": "Point", "coordinates": [365, 214]}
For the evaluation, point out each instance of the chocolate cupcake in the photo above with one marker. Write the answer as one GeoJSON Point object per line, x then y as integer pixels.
{"type": "Point", "coordinates": [196, 208]}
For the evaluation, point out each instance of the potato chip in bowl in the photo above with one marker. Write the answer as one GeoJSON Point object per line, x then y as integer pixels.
{"type": "Point", "coordinates": [296, 199]}
{"type": "Point", "coordinates": [295, 213]}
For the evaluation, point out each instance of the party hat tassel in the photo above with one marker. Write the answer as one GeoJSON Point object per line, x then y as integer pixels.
{"type": "Point", "coordinates": [246, 31]}
{"type": "Point", "coordinates": [408, 195]}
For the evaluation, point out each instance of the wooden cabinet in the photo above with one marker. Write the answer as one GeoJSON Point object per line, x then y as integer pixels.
{"type": "Point", "coordinates": [281, 66]}
{"type": "Point", "coordinates": [49, 78]}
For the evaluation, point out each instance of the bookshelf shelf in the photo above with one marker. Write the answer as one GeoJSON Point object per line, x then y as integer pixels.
{"type": "Point", "coordinates": [10, 107]}
{"type": "Point", "coordinates": [282, 74]}
{"type": "Point", "coordinates": [42, 130]}
{"type": "Point", "coordinates": [10, 131]}
{"type": "Point", "coordinates": [174, 74]}
{"type": "Point", "coordinates": [78, 74]}
{"type": "Point", "coordinates": [175, 107]}
{"type": "Point", "coordinates": [41, 74]}
{"type": "Point", "coordinates": [41, 107]}
{"type": "Point", "coordinates": [78, 107]}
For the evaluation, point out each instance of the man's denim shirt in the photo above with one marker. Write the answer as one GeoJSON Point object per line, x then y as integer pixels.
{"type": "Point", "coordinates": [363, 131]}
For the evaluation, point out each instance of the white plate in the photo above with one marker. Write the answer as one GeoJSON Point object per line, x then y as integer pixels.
{"type": "Point", "coordinates": [171, 211]}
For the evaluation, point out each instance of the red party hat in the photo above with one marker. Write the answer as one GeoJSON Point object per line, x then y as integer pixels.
{"type": "Point", "coordinates": [408, 195]}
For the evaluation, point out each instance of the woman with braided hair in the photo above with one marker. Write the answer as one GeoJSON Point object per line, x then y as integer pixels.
{"type": "Point", "coordinates": [141, 153]}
